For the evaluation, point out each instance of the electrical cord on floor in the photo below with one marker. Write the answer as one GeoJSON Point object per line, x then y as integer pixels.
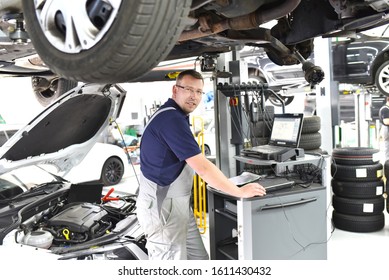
{"type": "Point", "coordinates": [303, 247]}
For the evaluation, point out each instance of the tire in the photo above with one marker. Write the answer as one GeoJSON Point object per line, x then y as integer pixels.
{"type": "Point", "coordinates": [311, 124]}
{"type": "Point", "coordinates": [259, 129]}
{"type": "Point", "coordinates": [358, 189]}
{"type": "Point", "coordinates": [256, 76]}
{"type": "Point", "coordinates": [310, 141]}
{"type": "Point", "coordinates": [54, 89]}
{"type": "Point", "coordinates": [287, 100]}
{"type": "Point", "coordinates": [316, 152]}
{"type": "Point", "coordinates": [355, 156]}
{"type": "Point", "coordinates": [207, 150]}
{"type": "Point", "coordinates": [359, 207]}
{"type": "Point", "coordinates": [257, 141]}
{"type": "Point", "coordinates": [112, 171]}
{"type": "Point", "coordinates": [382, 78]}
{"type": "Point", "coordinates": [357, 173]}
{"type": "Point", "coordinates": [358, 223]}
{"type": "Point", "coordinates": [266, 115]}
{"type": "Point", "coordinates": [386, 169]}
{"type": "Point", "coordinates": [135, 36]}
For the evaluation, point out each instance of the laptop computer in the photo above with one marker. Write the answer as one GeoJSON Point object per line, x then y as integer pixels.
{"type": "Point", "coordinates": [284, 139]}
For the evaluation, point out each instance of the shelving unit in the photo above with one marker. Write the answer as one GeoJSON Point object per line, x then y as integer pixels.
{"type": "Point", "coordinates": [287, 224]}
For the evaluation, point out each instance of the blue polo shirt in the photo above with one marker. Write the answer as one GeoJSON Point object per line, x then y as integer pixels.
{"type": "Point", "coordinates": [165, 145]}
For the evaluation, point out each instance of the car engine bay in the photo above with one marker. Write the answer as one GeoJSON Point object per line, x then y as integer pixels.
{"type": "Point", "coordinates": [85, 230]}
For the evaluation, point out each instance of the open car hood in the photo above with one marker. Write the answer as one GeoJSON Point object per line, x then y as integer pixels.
{"type": "Point", "coordinates": [64, 132]}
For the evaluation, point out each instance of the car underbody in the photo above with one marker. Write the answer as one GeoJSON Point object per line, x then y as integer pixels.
{"type": "Point", "coordinates": [200, 28]}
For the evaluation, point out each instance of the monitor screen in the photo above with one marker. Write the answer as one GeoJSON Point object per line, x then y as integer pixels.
{"type": "Point", "coordinates": [286, 129]}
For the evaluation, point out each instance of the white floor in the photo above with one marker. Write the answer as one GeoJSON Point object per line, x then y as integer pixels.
{"type": "Point", "coordinates": [344, 248]}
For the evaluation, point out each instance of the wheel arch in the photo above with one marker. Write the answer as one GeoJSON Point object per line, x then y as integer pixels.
{"type": "Point", "coordinates": [378, 61]}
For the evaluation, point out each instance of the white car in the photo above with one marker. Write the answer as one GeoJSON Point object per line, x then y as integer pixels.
{"type": "Point", "coordinates": [105, 163]}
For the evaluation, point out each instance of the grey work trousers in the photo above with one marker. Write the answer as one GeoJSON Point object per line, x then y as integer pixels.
{"type": "Point", "coordinates": [167, 220]}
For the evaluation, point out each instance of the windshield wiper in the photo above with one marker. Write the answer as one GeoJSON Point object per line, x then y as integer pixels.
{"type": "Point", "coordinates": [45, 188]}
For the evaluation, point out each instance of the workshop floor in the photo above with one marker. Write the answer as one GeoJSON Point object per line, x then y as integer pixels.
{"type": "Point", "coordinates": [342, 245]}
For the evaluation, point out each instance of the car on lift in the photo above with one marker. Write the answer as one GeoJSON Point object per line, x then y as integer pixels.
{"type": "Point", "coordinates": [119, 41]}
{"type": "Point", "coordinates": [46, 215]}
{"type": "Point", "coordinates": [18, 58]}
{"type": "Point", "coordinates": [362, 60]}
{"type": "Point", "coordinates": [285, 80]}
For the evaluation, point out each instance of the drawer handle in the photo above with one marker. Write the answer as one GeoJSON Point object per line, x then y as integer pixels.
{"type": "Point", "coordinates": [288, 204]}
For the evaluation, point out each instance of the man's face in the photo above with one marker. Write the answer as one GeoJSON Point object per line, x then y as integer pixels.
{"type": "Point", "coordinates": [188, 93]}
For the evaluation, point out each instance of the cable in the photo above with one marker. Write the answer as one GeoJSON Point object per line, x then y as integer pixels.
{"type": "Point", "coordinates": [126, 151]}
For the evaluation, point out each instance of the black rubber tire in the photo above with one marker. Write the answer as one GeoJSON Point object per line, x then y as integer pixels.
{"type": "Point", "coordinates": [355, 223]}
{"type": "Point", "coordinates": [358, 189]}
{"type": "Point", "coordinates": [386, 169]}
{"type": "Point", "coordinates": [316, 152]}
{"type": "Point", "coordinates": [381, 79]}
{"type": "Point", "coordinates": [256, 141]}
{"type": "Point", "coordinates": [287, 100]}
{"type": "Point", "coordinates": [255, 75]}
{"type": "Point", "coordinates": [47, 96]}
{"type": "Point", "coordinates": [355, 156]}
{"type": "Point", "coordinates": [354, 206]}
{"type": "Point", "coordinates": [310, 141]}
{"type": "Point", "coordinates": [142, 34]}
{"type": "Point", "coordinates": [357, 173]}
{"type": "Point", "coordinates": [112, 171]}
{"type": "Point", "coordinates": [207, 150]}
{"type": "Point", "coordinates": [311, 124]}
{"type": "Point", "coordinates": [260, 129]}
{"type": "Point", "coordinates": [267, 114]}
{"type": "Point", "coordinates": [387, 203]}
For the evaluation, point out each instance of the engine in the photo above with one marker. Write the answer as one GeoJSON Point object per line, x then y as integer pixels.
{"type": "Point", "coordinates": [79, 223]}
{"type": "Point", "coordinates": [73, 224]}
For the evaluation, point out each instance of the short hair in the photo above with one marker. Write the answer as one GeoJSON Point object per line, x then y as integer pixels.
{"type": "Point", "coordinates": [190, 72]}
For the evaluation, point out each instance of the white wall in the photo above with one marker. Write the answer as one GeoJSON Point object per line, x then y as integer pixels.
{"type": "Point", "coordinates": [17, 101]}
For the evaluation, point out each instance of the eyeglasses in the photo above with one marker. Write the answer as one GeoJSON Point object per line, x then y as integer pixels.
{"type": "Point", "coordinates": [191, 90]}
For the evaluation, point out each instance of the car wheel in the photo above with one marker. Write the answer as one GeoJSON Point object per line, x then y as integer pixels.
{"type": "Point", "coordinates": [207, 150]}
{"type": "Point", "coordinates": [256, 76]}
{"type": "Point", "coordinates": [382, 78]}
{"type": "Point", "coordinates": [112, 172]}
{"type": "Point", "coordinates": [287, 100]}
{"type": "Point", "coordinates": [110, 41]}
{"type": "Point", "coordinates": [47, 90]}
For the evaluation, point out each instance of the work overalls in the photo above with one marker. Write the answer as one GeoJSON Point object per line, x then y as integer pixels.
{"type": "Point", "coordinates": [167, 220]}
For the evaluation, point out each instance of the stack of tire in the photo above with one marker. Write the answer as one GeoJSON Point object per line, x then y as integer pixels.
{"type": "Point", "coordinates": [358, 188]}
{"type": "Point", "coordinates": [310, 139]}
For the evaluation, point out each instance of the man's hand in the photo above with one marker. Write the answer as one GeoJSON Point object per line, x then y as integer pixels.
{"type": "Point", "coordinates": [252, 189]}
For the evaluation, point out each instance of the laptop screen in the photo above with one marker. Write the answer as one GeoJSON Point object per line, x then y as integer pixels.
{"type": "Point", "coordinates": [286, 130]}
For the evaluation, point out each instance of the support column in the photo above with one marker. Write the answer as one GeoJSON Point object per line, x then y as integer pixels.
{"type": "Point", "coordinates": [327, 94]}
